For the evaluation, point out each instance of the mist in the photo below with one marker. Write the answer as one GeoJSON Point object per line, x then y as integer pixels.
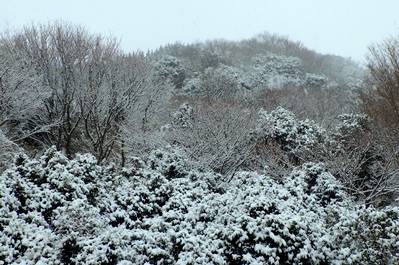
{"type": "Point", "coordinates": [344, 28]}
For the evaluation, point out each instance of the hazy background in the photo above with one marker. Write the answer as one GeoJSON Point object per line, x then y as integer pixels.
{"type": "Point", "coordinates": [340, 27]}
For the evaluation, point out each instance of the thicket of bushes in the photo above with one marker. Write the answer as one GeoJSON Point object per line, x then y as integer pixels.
{"type": "Point", "coordinates": [60, 211]}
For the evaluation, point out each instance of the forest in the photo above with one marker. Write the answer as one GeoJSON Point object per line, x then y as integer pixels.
{"type": "Point", "coordinates": [258, 151]}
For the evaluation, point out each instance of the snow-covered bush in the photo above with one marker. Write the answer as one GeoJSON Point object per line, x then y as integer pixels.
{"type": "Point", "coordinates": [60, 211]}
{"type": "Point", "coordinates": [361, 162]}
{"type": "Point", "coordinates": [350, 126]}
{"type": "Point", "coordinates": [297, 136]}
{"type": "Point", "coordinates": [347, 149]}
{"type": "Point", "coordinates": [294, 135]}
{"type": "Point", "coordinates": [183, 116]}
{"type": "Point", "coordinates": [367, 236]}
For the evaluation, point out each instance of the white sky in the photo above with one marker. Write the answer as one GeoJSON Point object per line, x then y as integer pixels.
{"type": "Point", "coordinates": [342, 27]}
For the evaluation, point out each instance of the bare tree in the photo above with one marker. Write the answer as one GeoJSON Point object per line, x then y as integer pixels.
{"type": "Point", "coordinates": [142, 130]}
{"type": "Point", "coordinates": [58, 53]}
{"type": "Point", "coordinates": [380, 99]}
{"type": "Point", "coordinates": [20, 96]}
{"type": "Point", "coordinates": [92, 86]}
{"type": "Point", "coordinates": [218, 135]}
{"type": "Point", "coordinates": [124, 91]}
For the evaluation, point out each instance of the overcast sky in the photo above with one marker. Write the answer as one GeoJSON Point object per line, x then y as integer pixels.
{"type": "Point", "coordinates": [342, 27]}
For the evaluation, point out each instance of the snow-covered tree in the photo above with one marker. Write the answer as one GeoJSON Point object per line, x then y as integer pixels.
{"type": "Point", "coordinates": [8, 150]}
{"type": "Point", "coordinates": [294, 135]}
{"type": "Point", "coordinates": [183, 117]}
{"type": "Point", "coordinates": [214, 134]}
{"type": "Point", "coordinates": [21, 96]}
{"type": "Point", "coordinates": [170, 69]}
{"type": "Point", "coordinates": [313, 81]}
{"type": "Point", "coordinates": [92, 87]}
{"type": "Point", "coordinates": [274, 71]}
{"type": "Point", "coordinates": [221, 82]}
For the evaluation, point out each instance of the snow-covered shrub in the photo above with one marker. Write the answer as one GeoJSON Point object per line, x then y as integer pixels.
{"type": "Point", "coordinates": [170, 163]}
{"type": "Point", "coordinates": [183, 116]}
{"type": "Point", "coordinates": [295, 136]}
{"type": "Point", "coordinates": [348, 151]}
{"type": "Point", "coordinates": [350, 154]}
{"type": "Point", "coordinates": [43, 202]}
{"type": "Point", "coordinates": [368, 236]}
{"type": "Point", "coordinates": [350, 126]}
{"type": "Point", "coordinates": [361, 162]}
{"type": "Point", "coordinates": [60, 211]}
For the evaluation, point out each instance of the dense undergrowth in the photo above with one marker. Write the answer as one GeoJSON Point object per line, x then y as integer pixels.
{"type": "Point", "coordinates": [60, 211]}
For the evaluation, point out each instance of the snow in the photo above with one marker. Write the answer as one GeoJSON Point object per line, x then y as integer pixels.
{"type": "Point", "coordinates": [55, 210]}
